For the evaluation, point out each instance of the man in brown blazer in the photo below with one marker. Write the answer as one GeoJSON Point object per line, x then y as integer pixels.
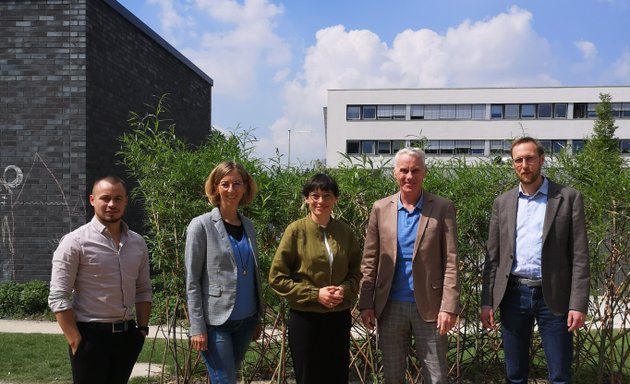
{"type": "Point", "coordinates": [410, 284]}
{"type": "Point", "coordinates": [536, 266]}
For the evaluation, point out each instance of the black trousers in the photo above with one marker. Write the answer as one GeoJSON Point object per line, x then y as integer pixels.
{"type": "Point", "coordinates": [320, 346]}
{"type": "Point", "coordinates": [104, 357]}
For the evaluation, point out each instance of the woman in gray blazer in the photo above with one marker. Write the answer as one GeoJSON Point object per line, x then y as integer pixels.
{"type": "Point", "coordinates": [225, 304]}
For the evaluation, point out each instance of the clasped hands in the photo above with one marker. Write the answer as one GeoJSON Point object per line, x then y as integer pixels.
{"type": "Point", "coordinates": [330, 296]}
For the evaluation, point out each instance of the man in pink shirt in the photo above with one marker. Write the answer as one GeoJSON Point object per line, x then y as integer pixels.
{"type": "Point", "coordinates": [100, 277]}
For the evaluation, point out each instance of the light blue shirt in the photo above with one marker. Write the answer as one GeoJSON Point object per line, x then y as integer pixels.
{"type": "Point", "coordinates": [402, 285]}
{"type": "Point", "coordinates": [530, 217]}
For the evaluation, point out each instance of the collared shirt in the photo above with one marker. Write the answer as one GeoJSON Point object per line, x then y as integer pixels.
{"type": "Point", "coordinates": [530, 217]}
{"type": "Point", "coordinates": [98, 279]}
{"type": "Point", "coordinates": [402, 285]}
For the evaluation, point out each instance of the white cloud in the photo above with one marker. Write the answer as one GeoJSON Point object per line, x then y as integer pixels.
{"type": "Point", "coordinates": [621, 67]}
{"type": "Point", "coordinates": [502, 50]}
{"type": "Point", "coordinates": [170, 18]}
{"type": "Point", "coordinates": [245, 43]}
{"type": "Point", "coordinates": [587, 48]}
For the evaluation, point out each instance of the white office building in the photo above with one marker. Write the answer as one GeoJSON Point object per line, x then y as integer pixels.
{"type": "Point", "coordinates": [471, 122]}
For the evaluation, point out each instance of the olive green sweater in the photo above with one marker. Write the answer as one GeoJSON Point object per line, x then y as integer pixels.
{"type": "Point", "coordinates": [300, 266]}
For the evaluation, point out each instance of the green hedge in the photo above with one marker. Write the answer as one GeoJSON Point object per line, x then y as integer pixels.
{"type": "Point", "coordinates": [24, 300]}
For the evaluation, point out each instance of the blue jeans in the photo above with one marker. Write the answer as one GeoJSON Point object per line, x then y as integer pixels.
{"type": "Point", "coordinates": [520, 306]}
{"type": "Point", "coordinates": [227, 344]}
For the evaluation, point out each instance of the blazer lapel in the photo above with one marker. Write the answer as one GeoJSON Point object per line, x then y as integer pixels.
{"type": "Point", "coordinates": [553, 202]}
{"type": "Point", "coordinates": [217, 220]}
{"type": "Point", "coordinates": [390, 223]}
{"type": "Point", "coordinates": [427, 209]}
{"type": "Point", "coordinates": [510, 211]}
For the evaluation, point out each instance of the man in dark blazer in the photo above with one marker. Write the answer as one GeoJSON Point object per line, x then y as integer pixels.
{"type": "Point", "coordinates": [410, 281]}
{"type": "Point", "coordinates": [536, 266]}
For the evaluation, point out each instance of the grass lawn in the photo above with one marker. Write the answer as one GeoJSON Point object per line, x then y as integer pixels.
{"type": "Point", "coordinates": [42, 358]}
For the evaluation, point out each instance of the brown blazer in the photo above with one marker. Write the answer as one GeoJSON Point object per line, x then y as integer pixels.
{"type": "Point", "coordinates": [435, 267]}
{"type": "Point", "coordinates": [565, 268]}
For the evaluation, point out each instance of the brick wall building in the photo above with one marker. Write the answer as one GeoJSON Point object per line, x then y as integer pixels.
{"type": "Point", "coordinates": [70, 72]}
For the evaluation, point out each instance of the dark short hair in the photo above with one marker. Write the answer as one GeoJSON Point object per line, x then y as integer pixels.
{"type": "Point", "coordinates": [219, 172]}
{"type": "Point", "coordinates": [323, 182]}
{"type": "Point", "coordinates": [112, 179]}
{"type": "Point", "coordinates": [528, 139]}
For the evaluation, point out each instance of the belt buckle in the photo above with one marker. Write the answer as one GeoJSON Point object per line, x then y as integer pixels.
{"type": "Point", "coordinates": [120, 326]}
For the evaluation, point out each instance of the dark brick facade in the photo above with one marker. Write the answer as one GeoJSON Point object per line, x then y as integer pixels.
{"type": "Point", "coordinates": [70, 72]}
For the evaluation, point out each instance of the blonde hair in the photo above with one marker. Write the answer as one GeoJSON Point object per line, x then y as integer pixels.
{"type": "Point", "coordinates": [219, 172]}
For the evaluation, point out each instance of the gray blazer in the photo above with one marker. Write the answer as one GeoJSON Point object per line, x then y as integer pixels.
{"type": "Point", "coordinates": [211, 273]}
{"type": "Point", "coordinates": [565, 265]}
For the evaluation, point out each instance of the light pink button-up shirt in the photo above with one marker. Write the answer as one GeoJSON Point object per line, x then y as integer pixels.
{"type": "Point", "coordinates": [99, 280]}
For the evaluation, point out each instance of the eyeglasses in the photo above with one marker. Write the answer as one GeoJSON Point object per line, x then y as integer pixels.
{"type": "Point", "coordinates": [318, 197]}
{"type": "Point", "coordinates": [529, 160]}
{"type": "Point", "coordinates": [226, 185]}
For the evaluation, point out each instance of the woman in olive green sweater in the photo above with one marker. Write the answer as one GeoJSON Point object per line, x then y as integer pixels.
{"type": "Point", "coordinates": [317, 269]}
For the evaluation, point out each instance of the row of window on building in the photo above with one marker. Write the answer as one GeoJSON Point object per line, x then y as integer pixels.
{"type": "Point", "coordinates": [479, 111]}
{"type": "Point", "coordinates": [461, 147]}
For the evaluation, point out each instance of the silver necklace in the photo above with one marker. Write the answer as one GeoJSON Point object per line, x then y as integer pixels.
{"type": "Point", "coordinates": [240, 255]}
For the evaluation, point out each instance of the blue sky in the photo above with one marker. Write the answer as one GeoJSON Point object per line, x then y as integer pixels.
{"type": "Point", "coordinates": [273, 61]}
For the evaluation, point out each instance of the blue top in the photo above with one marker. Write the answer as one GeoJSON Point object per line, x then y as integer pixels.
{"type": "Point", "coordinates": [530, 217]}
{"type": "Point", "coordinates": [246, 304]}
{"type": "Point", "coordinates": [402, 285]}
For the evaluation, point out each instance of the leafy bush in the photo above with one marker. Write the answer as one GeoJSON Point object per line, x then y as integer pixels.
{"type": "Point", "coordinates": [19, 300]}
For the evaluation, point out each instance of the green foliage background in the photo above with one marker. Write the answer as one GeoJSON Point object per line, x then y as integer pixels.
{"type": "Point", "coordinates": [171, 177]}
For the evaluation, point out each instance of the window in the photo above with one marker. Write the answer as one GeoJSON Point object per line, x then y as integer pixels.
{"type": "Point", "coordinates": [477, 147]}
{"type": "Point", "coordinates": [397, 145]}
{"type": "Point", "coordinates": [512, 111]}
{"type": "Point", "coordinates": [558, 145]}
{"type": "Point", "coordinates": [433, 147]}
{"type": "Point", "coordinates": [625, 147]}
{"type": "Point", "coordinates": [399, 112]}
{"type": "Point", "coordinates": [352, 147]}
{"type": "Point", "coordinates": [384, 147]}
{"type": "Point", "coordinates": [547, 145]}
{"type": "Point", "coordinates": [560, 111]}
{"type": "Point", "coordinates": [417, 112]}
{"type": "Point", "coordinates": [616, 110]}
{"type": "Point", "coordinates": [353, 112]}
{"type": "Point", "coordinates": [384, 112]}
{"type": "Point", "coordinates": [478, 111]}
{"type": "Point", "coordinates": [447, 147]}
{"type": "Point", "coordinates": [464, 111]}
{"type": "Point", "coordinates": [462, 147]}
{"type": "Point", "coordinates": [368, 147]}
{"type": "Point", "coordinates": [369, 112]}
{"type": "Point", "coordinates": [447, 111]}
{"type": "Point", "coordinates": [528, 111]}
{"type": "Point", "coordinates": [544, 111]}
{"type": "Point", "coordinates": [577, 145]}
{"type": "Point", "coordinates": [592, 111]}
{"type": "Point", "coordinates": [499, 147]}
{"type": "Point", "coordinates": [625, 110]}
{"type": "Point", "coordinates": [432, 112]}
{"type": "Point", "coordinates": [496, 111]}
{"type": "Point", "coordinates": [579, 111]}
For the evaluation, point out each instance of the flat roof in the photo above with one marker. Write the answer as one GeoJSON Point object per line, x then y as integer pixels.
{"type": "Point", "coordinates": [479, 88]}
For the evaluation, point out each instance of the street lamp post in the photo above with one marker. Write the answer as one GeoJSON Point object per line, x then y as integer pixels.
{"type": "Point", "coordinates": [289, 151]}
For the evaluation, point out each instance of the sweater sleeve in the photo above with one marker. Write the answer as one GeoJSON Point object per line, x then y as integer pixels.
{"type": "Point", "coordinates": [282, 273]}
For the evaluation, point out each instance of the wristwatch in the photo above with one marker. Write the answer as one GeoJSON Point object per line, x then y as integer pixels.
{"type": "Point", "coordinates": [144, 328]}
